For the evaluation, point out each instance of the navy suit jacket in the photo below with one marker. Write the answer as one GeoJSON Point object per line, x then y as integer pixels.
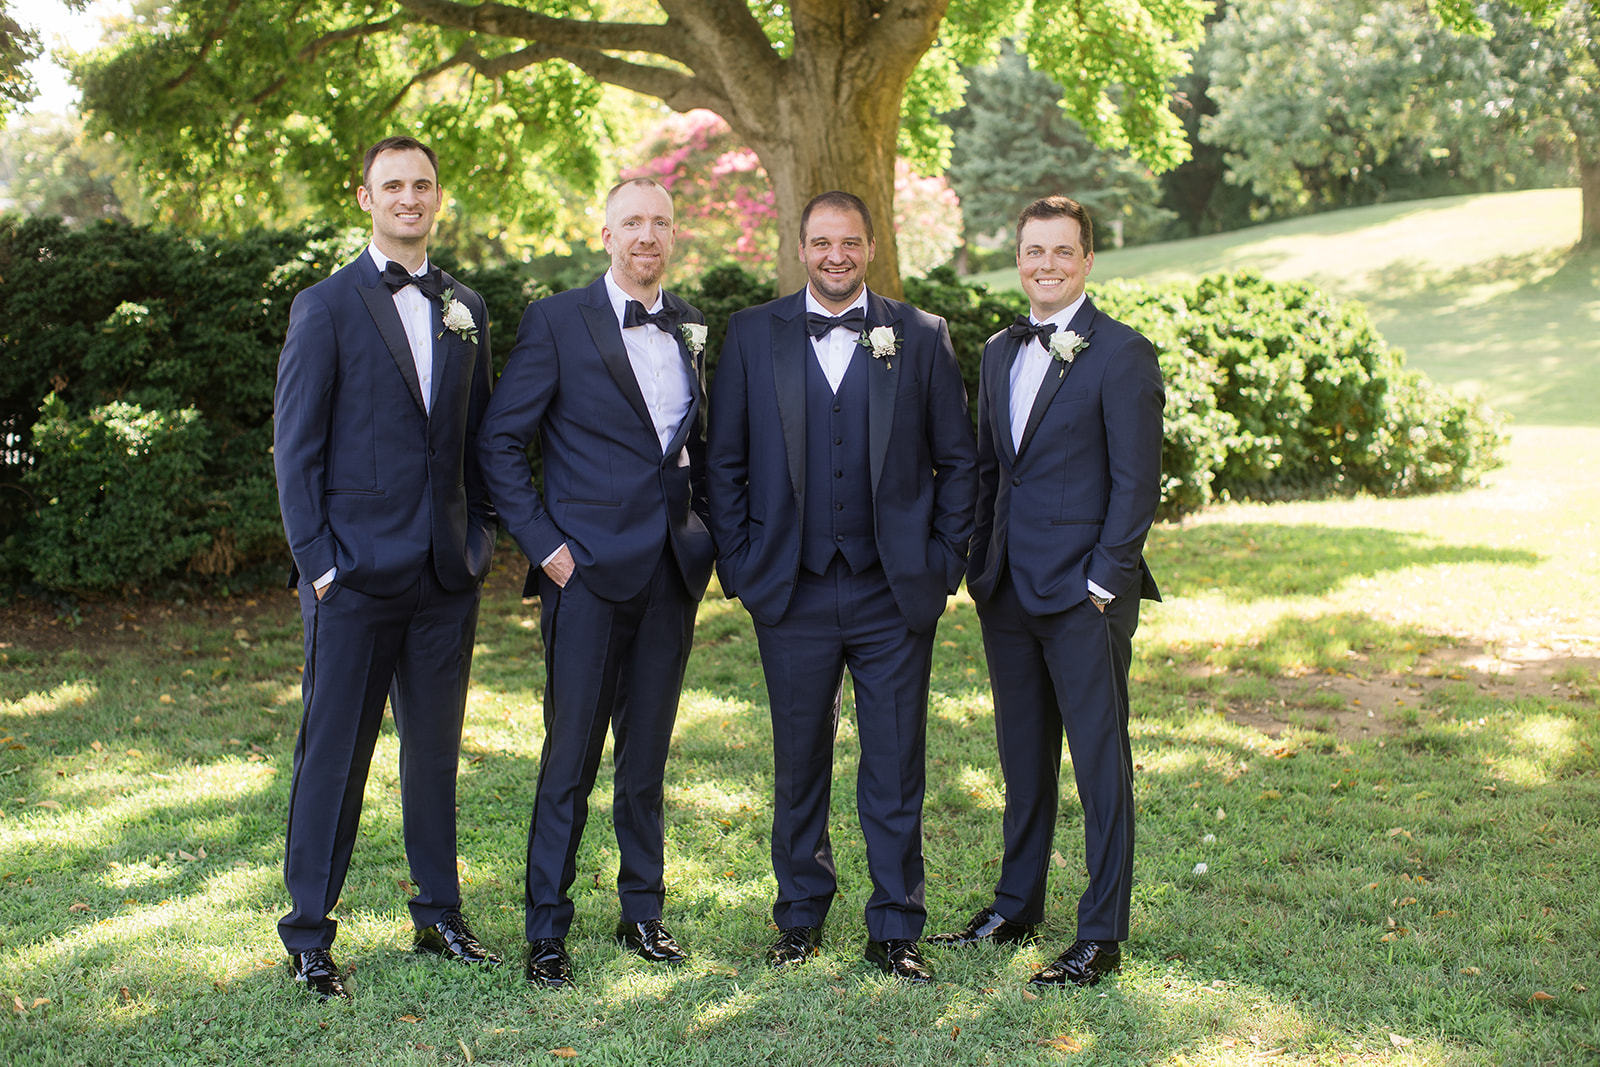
{"type": "Point", "coordinates": [610, 491]}
{"type": "Point", "coordinates": [1076, 500]}
{"type": "Point", "coordinates": [920, 453]}
{"type": "Point", "coordinates": [369, 481]}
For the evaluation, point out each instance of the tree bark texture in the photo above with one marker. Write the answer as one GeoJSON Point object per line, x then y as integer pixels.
{"type": "Point", "coordinates": [825, 116]}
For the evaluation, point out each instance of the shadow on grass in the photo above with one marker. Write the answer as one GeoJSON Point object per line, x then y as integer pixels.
{"type": "Point", "coordinates": [1256, 561]}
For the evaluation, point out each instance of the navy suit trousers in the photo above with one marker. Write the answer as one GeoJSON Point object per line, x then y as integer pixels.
{"type": "Point", "coordinates": [1065, 671]}
{"type": "Point", "coordinates": [836, 620]}
{"type": "Point", "coordinates": [416, 650]}
{"type": "Point", "coordinates": [618, 664]}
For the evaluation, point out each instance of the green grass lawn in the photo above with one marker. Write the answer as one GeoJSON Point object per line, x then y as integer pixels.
{"type": "Point", "coordinates": [1374, 721]}
{"type": "Point", "coordinates": [1481, 292]}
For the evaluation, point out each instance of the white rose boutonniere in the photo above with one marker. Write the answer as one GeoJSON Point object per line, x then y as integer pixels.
{"type": "Point", "coordinates": [694, 335]}
{"type": "Point", "coordinates": [1064, 347]}
{"type": "Point", "coordinates": [457, 319]}
{"type": "Point", "coordinates": [882, 342]}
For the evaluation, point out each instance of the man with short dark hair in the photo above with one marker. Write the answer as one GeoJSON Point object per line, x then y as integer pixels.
{"type": "Point", "coordinates": [841, 480]}
{"type": "Point", "coordinates": [382, 382]}
{"type": "Point", "coordinates": [610, 380]}
{"type": "Point", "coordinates": [1069, 477]}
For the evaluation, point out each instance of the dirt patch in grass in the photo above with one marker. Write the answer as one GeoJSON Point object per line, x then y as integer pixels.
{"type": "Point", "coordinates": [1351, 705]}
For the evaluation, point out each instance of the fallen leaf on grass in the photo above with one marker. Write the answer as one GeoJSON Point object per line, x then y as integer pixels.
{"type": "Point", "coordinates": [1399, 1042]}
{"type": "Point", "coordinates": [191, 857]}
{"type": "Point", "coordinates": [1061, 1043]}
{"type": "Point", "coordinates": [51, 804]}
{"type": "Point", "coordinates": [409, 1019]}
{"type": "Point", "coordinates": [564, 1052]}
{"type": "Point", "coordinates": [1270, 794]}
{"type": "Point", "coordinates": [97, 746]}
{"type": "Point", "coordinates": [1471, 970]}
{"type": "Point", "coordinates": [39, 1002]}
{"type": "Point", "coordinates": [1058, 859]}
{"type": "Point", "coordinates": [17, 1005]}
{"type": "Point", "coordinates": [79, 906]}
{"type": "Point", "coordinates": [726, 972]}
{"type": "Point", "coordinates": [1541, 996]}
{"type": "Point", "coordinates": [1399, 832]}
{"type": "Point", "coordinates": [465, 1051]}
{"type": "Point", "coordinates": [1029, 996]}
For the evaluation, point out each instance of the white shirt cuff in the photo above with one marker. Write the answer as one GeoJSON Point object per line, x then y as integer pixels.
{"type": "Point", "coordinates": [326, 579]}
{"type": "Point", "coordinates": [546, 561]}
{"type": "Point", "coordinates": [1100, 592]}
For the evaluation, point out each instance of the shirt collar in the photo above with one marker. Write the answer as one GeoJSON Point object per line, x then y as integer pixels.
{"type": "Point", "coordinates": [619, 299]}
{"type": "Point", "coordinates": [814, 305]}
{"type": "Point", "coordinates": [383, 261]}
{"type": "Point", "coordinates": [1064, 316]}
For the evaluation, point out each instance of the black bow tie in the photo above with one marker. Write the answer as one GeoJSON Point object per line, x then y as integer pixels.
{"type": "Point", "coordinates": [819, 325]}
{"type": "Point", "coordinates": [634, 314]}
{"type": "Point", "coordinates": [1025, 328]}
{"type": "Point", "coordinates": [397, 278]}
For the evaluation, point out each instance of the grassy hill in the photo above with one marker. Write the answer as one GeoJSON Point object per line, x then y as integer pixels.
{"type": "Point", "coordinates": [1482, 292]}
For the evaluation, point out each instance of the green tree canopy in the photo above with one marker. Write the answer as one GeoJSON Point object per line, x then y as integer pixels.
{"type": "Point", "coordinates": [224, 100]}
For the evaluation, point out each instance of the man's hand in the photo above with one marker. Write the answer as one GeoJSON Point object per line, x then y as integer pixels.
{"type": "Point", "coordinates": [560, 567]}
{"type": "Point", "coordinates": [321, 590]}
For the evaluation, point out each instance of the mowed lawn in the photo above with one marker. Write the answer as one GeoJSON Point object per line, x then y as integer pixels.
{"type": "Point", "coordinates": [1372, 721]}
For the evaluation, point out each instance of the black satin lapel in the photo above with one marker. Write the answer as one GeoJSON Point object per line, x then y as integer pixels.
{"type": "Point", "coordinates": [380, 302]}
{"type": "Point", "coordinates": [882, 384]}
{"type": "Point", "coordinates": [607, 337]}
{"type": "Point", "coordinates": [1000, 386]}
{"type": "Point", "coordinates": [790, 350]}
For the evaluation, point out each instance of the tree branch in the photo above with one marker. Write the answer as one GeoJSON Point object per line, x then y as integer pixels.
{"type": "Point", "coordinates": [211, 38]}
{"type": "Point", "coordinates": [501, 20]}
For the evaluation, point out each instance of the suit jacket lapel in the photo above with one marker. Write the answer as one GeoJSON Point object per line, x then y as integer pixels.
{"type": "Point", "coordinates": [607, 336]}
{"type": "Point", "coordinates": [380, 302]}
{"type": "Point", "coordinates": [1000, 389]}
{"type": "Point", "coordinates": [882, 384]}
{"type": "Point", "coordinates": [1055, 376]}
{"type": "Point", "coordinates": [693, 366]}
{"type": "Point", "coordinates": [790, 350]}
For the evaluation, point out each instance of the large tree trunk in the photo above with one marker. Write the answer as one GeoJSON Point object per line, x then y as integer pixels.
{"type": "Point", "coordinates": [824, 117]}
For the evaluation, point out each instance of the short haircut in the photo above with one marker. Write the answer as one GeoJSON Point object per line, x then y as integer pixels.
{"type": "Point", "coordinates": [397, 144]}
{"type": "Point", "coordinates": [648, 183]}
{"type": "Point", "coordinates": [838, 201]}
{"type": "Point", "coordinates": [1058, 207]}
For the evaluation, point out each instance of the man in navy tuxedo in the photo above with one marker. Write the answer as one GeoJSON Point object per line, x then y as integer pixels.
{"type": "Point", "coordinates": [841, 479]}
{"type": "Point", "coordinates": [610, 380]}
{"type": "Point", "coordinates": [383, 380]}
{"type": "Point", "coordinates": [1069, 477]}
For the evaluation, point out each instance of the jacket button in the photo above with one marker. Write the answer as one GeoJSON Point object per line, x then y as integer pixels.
{"type": "Point", "coordinates": [1016, 481]}
{"type": "Point", "coordinates": [838, 440]}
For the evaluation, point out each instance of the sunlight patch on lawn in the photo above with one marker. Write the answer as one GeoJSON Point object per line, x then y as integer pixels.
{"type": "Point", "coordinates": [1546, 741]}
{"type": "Point", "coordinates": [979, 784]}
{"type": "Point", "coordinates": [67, 694]}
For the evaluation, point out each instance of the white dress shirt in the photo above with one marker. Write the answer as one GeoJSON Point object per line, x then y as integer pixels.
{"type": "Point", "coordinates": [657, 367]}
{"type": "Point", "coordinates": [416, 315]}
{"type": "Point", "coordinates": [1027, 375]}
{"type": "Point", "coordinates": [837, 347]}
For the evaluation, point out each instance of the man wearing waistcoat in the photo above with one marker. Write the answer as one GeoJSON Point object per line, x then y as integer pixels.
{"type": "Point", "coordinates": [1069, 477]}
{"type": "Point", "coordinates": [841, 481]}
{"type": "Point", "coordinates": [609, 378]}
{"type": "Point", "coordinates": [382, 382]}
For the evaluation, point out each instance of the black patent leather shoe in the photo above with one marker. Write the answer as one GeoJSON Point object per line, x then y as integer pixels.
{"type": "Point", "coordinates": [900, 957]}
{"type": "Point", "coordinates": [650, 940]}
{"type": "Point", "coordinates": [452, 938]}
{"type": "Point", "coordinates": [548, 963]}
{"type": "Point", "coordinates": [1085, 963]}
{"type": "Point", "coordinates": [794, 945]}
{"type": "Point", "coordinates": [988, 926]}
{"type": "Point", "coordinates": [316, 970]}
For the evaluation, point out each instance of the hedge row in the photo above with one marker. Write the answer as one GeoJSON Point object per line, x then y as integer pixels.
{"type": "Point", "coordinates": [136, 392]}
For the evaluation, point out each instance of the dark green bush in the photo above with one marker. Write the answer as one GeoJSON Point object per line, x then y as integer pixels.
{"type": "Point", "coordinates": [119, 490]}
{"type": "Point", "coordinates": [138, 368]}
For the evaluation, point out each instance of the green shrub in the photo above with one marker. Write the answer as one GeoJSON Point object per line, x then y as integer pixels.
{"type": "Point", "coordinates": [150, 460]}
{"type": "Point", "coordinates": [118, 489]}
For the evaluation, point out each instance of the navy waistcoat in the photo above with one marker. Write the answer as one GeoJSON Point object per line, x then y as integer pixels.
{"type": "Point", "coordinates": [838, 501]}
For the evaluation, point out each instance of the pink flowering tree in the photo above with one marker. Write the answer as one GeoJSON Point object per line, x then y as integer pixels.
{"type": "Point", "coordinates": [726, 208]}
